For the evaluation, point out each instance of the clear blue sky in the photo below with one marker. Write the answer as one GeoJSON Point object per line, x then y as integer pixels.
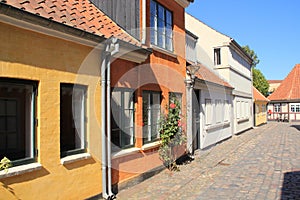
{"type": "Point", "coordinates": [270, 27]}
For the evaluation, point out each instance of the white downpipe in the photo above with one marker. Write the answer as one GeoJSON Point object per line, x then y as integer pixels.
{"type": "Point", "coordinates": [143, 21]}
{"type": "Point", "coordinates": [103, 137]}
{"type": "Point", "coordinates": [112, 47]}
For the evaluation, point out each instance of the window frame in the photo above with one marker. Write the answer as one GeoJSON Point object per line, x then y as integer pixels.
{"type": "Point", "coordinates": [84, 125]}
{"type": "Point", "coordinates": [217, 56]}
{"type": "Point", "coordinates": [33, 119]}
{"type": "Point", "coordinates": [121, 142]}
{"type": "Point", "coordinates": [208, 111]}
{"type": "Point", "coordinates": [277, 108]}
{"type": "Point", "coordinates": [166, 31]}
{"type": "Point", "coordinates": [147, 139]}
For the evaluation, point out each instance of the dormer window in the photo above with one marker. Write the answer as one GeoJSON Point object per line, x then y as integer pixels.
{"type": "Point", "coordinates": [217, 56]}
{"type": "Point", "coordinates": [161, 23]}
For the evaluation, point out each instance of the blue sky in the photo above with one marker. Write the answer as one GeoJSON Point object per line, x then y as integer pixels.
{"type": "Point", "coordinates": [270, 27]}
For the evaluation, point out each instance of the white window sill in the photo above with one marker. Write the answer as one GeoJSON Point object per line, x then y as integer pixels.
{"type": "Point", "coordinates": [133, 150]}
{"type": "Point", "coordinates": [164, 51]}
{"type": "Point", "coordinates": [217, 126]}
{"type": "Point", "coordinates": [242, 120]}
{"type": "Point", "coordinates": [74, 158]}
{"type": "Point", "coordinates": [18, 170]}
{"type": "Point", "coordinates": [125, 152]}
{"type": "Point", "coordinates": [150, 145]}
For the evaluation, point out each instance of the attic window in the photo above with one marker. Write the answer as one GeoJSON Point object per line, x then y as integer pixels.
{"type": "Point", "coordinates": [217, 56]}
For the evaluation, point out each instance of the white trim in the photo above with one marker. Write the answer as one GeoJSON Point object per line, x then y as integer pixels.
{"type": "Point", "coordinates": [74, 158]}
{"type": "Point", "coordinates": [18, 170]}
{"type": "Point", "coordinates": [151, 145]}
{"type": "Point", "coordinates": [125, 152]}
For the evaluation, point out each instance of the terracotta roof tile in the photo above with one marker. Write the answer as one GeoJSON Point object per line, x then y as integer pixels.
{"type": "Point", "coordinates": [207, 75]}
{"type": "Point", "coordinates": [81, 14]}
{"type": "Point", "coordinates": [274, 81]}
{"type": "Point", "coordinates": [289, 89]}
{"type": "Point", "coordinates": [258, 96]}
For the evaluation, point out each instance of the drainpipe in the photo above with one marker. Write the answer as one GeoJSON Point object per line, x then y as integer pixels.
{"type": "Point", "coordinates": [112, 47]}
{"type": "Point", "coordinates": [143, 21]}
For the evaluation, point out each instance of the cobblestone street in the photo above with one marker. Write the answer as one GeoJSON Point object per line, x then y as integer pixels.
{"type": "Point", "coordinates": [262, 163]}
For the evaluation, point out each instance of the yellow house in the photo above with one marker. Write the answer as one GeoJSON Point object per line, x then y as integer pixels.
{"type": "Point", "coordinates": [50, 96]}
{"type": "Point", "coordinates": [260, 107]}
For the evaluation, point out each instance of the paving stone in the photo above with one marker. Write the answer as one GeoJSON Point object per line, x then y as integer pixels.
{"type": "Point", "coordinates": [262, 163]}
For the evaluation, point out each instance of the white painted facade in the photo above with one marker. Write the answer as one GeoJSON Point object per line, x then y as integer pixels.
{"type": "Point", "coordinates": [234, 67]}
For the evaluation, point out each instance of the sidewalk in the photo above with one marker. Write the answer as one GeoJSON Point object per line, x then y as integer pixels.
{"type": "Point", "coordinates": [262, 163]}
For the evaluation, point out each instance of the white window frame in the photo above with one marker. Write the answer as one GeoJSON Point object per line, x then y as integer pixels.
{"type": "Point", "coordinates": [208, 112]}
{"type": "Point", "coordinates": [277, 108]}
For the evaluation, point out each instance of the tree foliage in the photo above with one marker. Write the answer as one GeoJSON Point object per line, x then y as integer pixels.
{"type": "Point", "coordinates": [260, 82]}
{"type": "Point", "coordinates": [252, 54]}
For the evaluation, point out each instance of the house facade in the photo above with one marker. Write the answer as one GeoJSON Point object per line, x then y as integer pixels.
{"type": "Point", "coordinates": [82, 95]}
{"type": "Point", "coordinates": [284, 102]}
{"type": "Point", "coordinates": [225, 57]}
{"type": "Point", "coordinates": [212, 101]}
{"type": "Point", "coordinates": [260, 107]}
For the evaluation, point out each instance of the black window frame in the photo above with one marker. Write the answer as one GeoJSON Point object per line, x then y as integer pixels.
{"type": "Point", "coordinates": [32, 122]}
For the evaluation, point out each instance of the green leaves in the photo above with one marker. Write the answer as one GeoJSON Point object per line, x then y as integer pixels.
{"type": "Point", "coordinates": [260, 82]}
{"type": "Point", "coordinates": [5, 163]}
{"type": "Point", "coordinates": [170, 134]}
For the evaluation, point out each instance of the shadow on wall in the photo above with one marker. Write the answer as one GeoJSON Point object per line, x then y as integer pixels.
{"type": "Point", "coordinates": [291, 185]}
{"type": "Point", "coordinates": [296, 127]}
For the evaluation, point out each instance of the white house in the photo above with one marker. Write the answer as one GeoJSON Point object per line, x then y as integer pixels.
{"type": "Point", "coordinates": [224, 57]}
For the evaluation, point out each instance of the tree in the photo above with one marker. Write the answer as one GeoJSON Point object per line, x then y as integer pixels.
{"type": "Point", "coordinates": [252, 54]}
{"type": "Point", "coordinates": [259, 80]}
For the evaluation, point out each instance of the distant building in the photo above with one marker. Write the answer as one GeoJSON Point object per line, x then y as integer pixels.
{"type": "Point", "coordinates": [274, 84]}
{"type": "Point", "coordinates": [284, 102]}
{"type": "Point", "coordinates": [260, 107]}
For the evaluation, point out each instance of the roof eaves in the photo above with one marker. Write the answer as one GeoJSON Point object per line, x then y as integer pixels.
{"type": "Point", "coordinates": [24, 16]}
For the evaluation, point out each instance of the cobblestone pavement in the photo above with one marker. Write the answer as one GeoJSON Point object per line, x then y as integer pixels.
{"type": "Point", "coordinates": [262, 163]}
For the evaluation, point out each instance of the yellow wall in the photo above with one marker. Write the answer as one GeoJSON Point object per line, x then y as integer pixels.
{"type": "Point", "coordinates": [50, 61]}
{"type": "Point", "coordinates": [260, 115]}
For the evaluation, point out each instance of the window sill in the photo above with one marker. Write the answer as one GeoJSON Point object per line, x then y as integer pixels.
{"type": "Point", "coordinates": [150, 145]}
{"type": "Point", "coordinates": [242, 120]}
{"type": "Point", "coordinates": [18, 170]}
{"type": "Point", "coordinates": [74, 158]}
{"type": "Point", "coordinates": [217, 126]}
{"type": "Point", "coordinates": [125, 152]}
{"type": "Point", "coordinates": [164, 51]}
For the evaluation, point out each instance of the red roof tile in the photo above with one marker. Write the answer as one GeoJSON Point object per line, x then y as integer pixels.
{"type": "Point", "coordinates": [274, 81]}
{"type": "Point", "coordinates": [207, 75]}
{"type": "Point", "coordinates": [81, 14]}
{"type": "Point", "coordinates": [289, 89]}
{"type": "Point", "coordinates": [258, 96]}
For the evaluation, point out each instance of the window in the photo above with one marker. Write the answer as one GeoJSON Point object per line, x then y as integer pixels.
{"type": "Point", "coordinates": [238, 109]}
{"type": "Point", "coordinates": [227, 111]}
{"type": "Point", "coordinates": [17, 120]}
{"type": "Point", "coordinates": [219, 111]}
{"type": "Point", "coordinates": [122, 118]}
{"type": "Point", "coordinates": [217, 56]}
{"type": "Point", "coordinates": [276, 108]}
{"type": "Point", "coordinates": [190, 46]}
{"type": "Point", "coordinates": [72, 119]}
{"type": "Point", "coordinates": [208, 112]}
{"type": "Point", "coordinates": [295, 107]}
{"type": "Point", "coordinates": [151, 115]}
{"type": "Point", "coordinates": [161, 23]}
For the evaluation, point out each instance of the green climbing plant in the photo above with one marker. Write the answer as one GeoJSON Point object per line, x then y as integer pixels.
{"type": "Point", "coordinates": [5, 163]}
{"type": "Point", "coordinates": [171, 134]}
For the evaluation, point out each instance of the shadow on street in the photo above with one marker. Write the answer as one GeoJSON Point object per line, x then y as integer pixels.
{"type": "Point", "coordinates": [291, 185]}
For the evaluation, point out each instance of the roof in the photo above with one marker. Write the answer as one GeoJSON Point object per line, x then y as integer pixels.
{"type": "Point", "coordinates": [274, 81]}
{"type": "Point", "coordinates": [80, 14]}
{"type": "Point", "coordinates": [289, 89]}
{"type": "Point", "coordinates": [258, 96]}
{"type": "Point", "coordinates": [205, 74]}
